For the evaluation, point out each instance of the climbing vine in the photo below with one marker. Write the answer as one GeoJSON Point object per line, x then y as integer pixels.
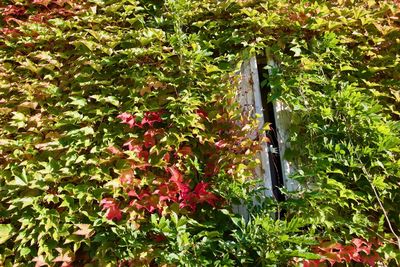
{"type": "Point", "coordinates": [122, 143]}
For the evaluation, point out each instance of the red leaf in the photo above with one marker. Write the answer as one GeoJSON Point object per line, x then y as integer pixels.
{"type": "Point", "coordinates": [358, 242]}
{"type": "Point", "coordinates": [349, 253]}
{"type": "Point", "coordinates": [113, 211]}
{"type": "Point", "coordinates": [63, 12]}
{"type": "Point", "coordinates": [167, 192]}
{"type": "Point", "coordinates": [362, 245]}
{"type": "Point", "coordinates": [198, 196]}
{"type": "Point", "coordinates": [312, 263]}
{"type": "Point", "coordinates": [202, 113]}
{"type": "Point", "coordinates": [149, 139]}
{"type": "Point", "coordinates": [148, 202]}
{"type": "Point", "coordinates": [167, 157]}
{"type": "Point", "coordinates": [151, 117]}
{"type": "Point", "coordinates": [220, 144]}
{"type": "Point", "coordinates": [176, 176]}
{"type": "Point", "coordinates": [200, 188]}
{"type": "Point", "coordinates": [144, 155]}
{"type": "Point", "coordinates": [159, 238]}
{"type": "Point", "coordinates": [336, 252]}
{"type": "Point", "coordinates": [191, 205]}
{"type": "Point", "coordinates": [14, 10]}
{"type": "Point", "coordinates": [332, 257]}
{"type": "Point", "coordinates": [107, 202]}
{"type": "Point", "coordinates": [129, 119]}
{"type": "Point", "coordinates": [210, 169]}
{"type": "Point", "coordinates": [143, 194]}
{"type": "Point", "coordinates": [132, 146]}
{"type": "Point", "coordinates": [29, 44]}
{"type": "Point", "coordinates": [140, 152]}
{"type": "Point", "coordinates": [371, 259]}
{"type": "Point", "coordinates": [132, 193]}
{"type": "Point", "coordinates": [184, 151]}
{"type": "Point", "coordinates": [203, 196]}
{"type": "Point", "coordinates": [140, 166]}
{"type": "Point", "coordinates": [184, 190]}
{"type": "Point", "coordinates": [11, 32]}
{"type": "Point", "coordinates": [12, 19]}
{"type": "Point", "coordinates": [41, 17]}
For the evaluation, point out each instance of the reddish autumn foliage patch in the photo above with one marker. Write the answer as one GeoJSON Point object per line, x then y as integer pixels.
{"type": "Point", "coordinates": [360, 251]}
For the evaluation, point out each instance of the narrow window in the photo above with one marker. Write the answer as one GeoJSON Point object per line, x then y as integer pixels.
{"type": "Point", "coordinates": [253, 96]}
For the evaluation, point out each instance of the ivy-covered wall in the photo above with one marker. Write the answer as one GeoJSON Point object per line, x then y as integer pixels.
{"type": "Point", "coordinates": [121, 142]}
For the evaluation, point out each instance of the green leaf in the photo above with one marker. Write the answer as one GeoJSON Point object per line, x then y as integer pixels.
{"type": "Point", "coordinates": [25, 251]}
{"type": "Point", "coordinates": [6, 232]}
{"type": "Point", "coordinates": [212, 68]}
{"type": "Point", "coordinates": [348, 68]}
{"type": "Point", "coordinates": [307, 255]}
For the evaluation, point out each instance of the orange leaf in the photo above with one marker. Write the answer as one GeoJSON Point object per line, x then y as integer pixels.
{"type": "Point", "coordinates": [40, 261]}
{"type": "Point", "coordinates": [84, 230]}
{"type": "Point", "coordinates": [42, 2]}
{"type": "Point", "coordinates": [66, 256]}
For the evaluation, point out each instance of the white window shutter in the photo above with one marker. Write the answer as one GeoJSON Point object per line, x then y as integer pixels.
{"type": "Point", "coordinates": [249, 97]}
{"type": "Point", "coordinates": [282, 124]}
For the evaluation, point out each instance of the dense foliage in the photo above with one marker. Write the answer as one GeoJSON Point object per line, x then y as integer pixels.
{"type": "Point", "coordinates": [121, 142]}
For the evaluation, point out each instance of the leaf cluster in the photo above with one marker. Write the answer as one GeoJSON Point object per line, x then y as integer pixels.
{"type": "Point", "coordinates": [70, 69]}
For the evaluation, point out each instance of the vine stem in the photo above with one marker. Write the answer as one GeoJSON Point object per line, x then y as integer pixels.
{"type": "Point", "coordinates": [381, 205]}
